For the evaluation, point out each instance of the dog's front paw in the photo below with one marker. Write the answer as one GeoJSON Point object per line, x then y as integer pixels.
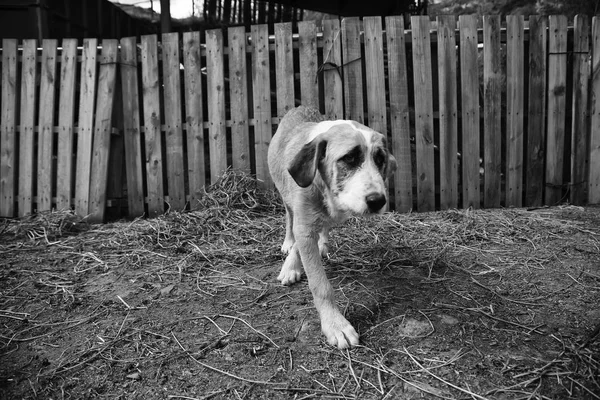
{"type": "Point", "coordinates": [289, 276]}
{"type": "Point", "coordinates": [286, 247]}
{"type": "Point", "coordinates": [339, 332]}
{"type": "Point", "coordinates": [291, 272]}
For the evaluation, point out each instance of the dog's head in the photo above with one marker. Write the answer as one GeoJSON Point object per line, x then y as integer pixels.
{"type": "Point", "coordinates": [353, 163]}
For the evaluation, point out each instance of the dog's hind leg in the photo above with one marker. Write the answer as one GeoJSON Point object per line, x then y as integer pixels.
{"type": "Point", "coordinates": [288, 242]}
{"type": "Point", "coordinates": [291, 272]}
{"type": "Point", "coordinates": [324, 241]}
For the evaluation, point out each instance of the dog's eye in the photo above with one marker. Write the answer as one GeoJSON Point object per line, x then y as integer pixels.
{"type": "Point", "coordinates": [379, 158]}
{"type": "Point", "coordinates": [349, 159]}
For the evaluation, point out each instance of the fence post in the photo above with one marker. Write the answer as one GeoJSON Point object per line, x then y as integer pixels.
{"type": "Point", "coordinates": [8, 125]}
{"type": "Point", "coordinates": [469, 78]}
{"type": "Point", "coordinates": [448, 95]}
{"type": "Point", "coordinates": [261, 88]}
{"type": "Point", "coordinates": [194, 115]}
{"type": "Point", "coordinates": [557, 104]}
{"type": "Point", "coordinates": [27, 122]}
{"type": "Point", "coordinates": [580, 123]}
{"type": "Point", "coordinates": [515, 73]}
{"type": "Point", "coordinates": [131, 127]}
{"type": "Point", "coordinates": [87, 96]}
{"type": "Point", "coordinates": [173, 129]}
{"type": "Point", "coordinates": [594, 163]}
{"type": "Point", "coordinates": [492, 110]}
{"type": "Point", "coordinates": [102, 130]}
{"type": "Point", "coordinates": [536, 112]}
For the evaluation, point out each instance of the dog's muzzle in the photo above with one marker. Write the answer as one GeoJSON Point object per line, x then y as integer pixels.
{"type": "Point", "coordinates": [375, 201]}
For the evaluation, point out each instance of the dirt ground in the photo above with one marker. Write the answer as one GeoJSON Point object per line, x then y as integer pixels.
{"type": "Point", "coordinates": [495, 304]}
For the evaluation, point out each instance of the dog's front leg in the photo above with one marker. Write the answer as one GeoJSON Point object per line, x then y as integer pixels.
{"type": "Point", "coordinates": [336, 328]}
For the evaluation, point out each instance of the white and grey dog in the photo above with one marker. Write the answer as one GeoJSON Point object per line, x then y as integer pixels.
{"type": "Point", "coordinates": [326, 172]}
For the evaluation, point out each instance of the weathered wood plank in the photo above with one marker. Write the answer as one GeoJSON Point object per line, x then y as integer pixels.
{"type": "Point", "coordinates": [352, 69]}
{"type": "Point", "coordinates": [8, 126]}
{"type": "Point", "coordinates": [173, 126]}
{"type": "Point", "coordinates": [131, 127]}
{"type": "Point", "coordinates": [423, 112]}
{"type": "Point", "coordinates": [87, 96]}
{"type": "Point", "coordinates": [152, 126]}
{"type": "Point", "coordinates": [45, 164]}
{"type": "Point", "coordinates": [238, 90]}
{"type": "Point", "coordinates": [333, 92]}
{"type": "Point", "coordinates": [216, 103]}
{"type": "Point", "coordinates": [515, 105]}
{"type": "Point", "coordinates": [194, 116]}
{"type": "Point", "coordinates": [399, 113]}
{"type": "Point", "coordinates": [107, 75]}
{"type": "Point", "coordinates": [492, 82]}
{"type": "Point", "coordinates": [448, 95]}
{"type": "Point", "coordinates": [594, 152]}
{"type": "Point", "coordinates": [261, 88]}
{"type": "Point", "coordinates": [375, 74]}
{"type": "Point", "coordinates": [580, 123]}
{"type": "Point", "coordinates": [469, 77]}
{"type": "Point", "coordinates": [26, 137]}
{"type": "Point", "coordinates": [557, 103]}
{"type": "Point", "coordinates": [66, 119]}
{"type": "Point", "coordinates": [284, 68]}
{"type": "Point", "coordinates": [536, 112]}
{"type": "Point", "coordinates": [307, 50]}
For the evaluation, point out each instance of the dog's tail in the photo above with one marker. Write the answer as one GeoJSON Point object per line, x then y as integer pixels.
{"type": "Point", "coordinates": [299, 115]}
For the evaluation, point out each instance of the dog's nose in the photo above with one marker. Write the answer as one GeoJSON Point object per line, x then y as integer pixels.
{"type": "Point", "coordinates": [375, 201]}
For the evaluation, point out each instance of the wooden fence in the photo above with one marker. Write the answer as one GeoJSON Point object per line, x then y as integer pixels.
{"type": "Point", "coordinates": [480, 112]}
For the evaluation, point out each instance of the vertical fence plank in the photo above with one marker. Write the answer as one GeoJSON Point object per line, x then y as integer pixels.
{"type": "Point", "coordinates": [152, 125]}
{"type": "Point", "coordinates": [284, 68]}
{"type": "Point", "coordinates": [352, 69]}
{"type": "Point", "coordinates": [307, 49]}
{"type": "Point", "coordinates": [492, 82]}
{"type": "Point", "coordinates": [46, 125]}
{"type": "Point", "coordinates": [580, 122]}
{"type": "Point", "coordinates": [107, 75]}
{"type": "Point", "coordinates": [173, 128]}
{"type": "Point", "coordinates": [594, 162]}
{"type": "Point", "coordinates": [194, 117]}
{"type": "Point", "coordinates": [131, 127]}
{"type": "Point", "coordinates": [26, 138]}
{"type": "Point", "coordinates": [557, 83]}
{"type": "Point", "coordinates": [399, 112]}
{"type": "Point", "coordinates": [448, 111]}
{"type": "Point", "coordinates": [536, 112]}
{"type": "Point", "coordinates": [375, 74]}
{"type": "Point", "coordinates": [87, 96]}
{"type": "Point", "coordinates": [8, 124]}
{"type": "Point", "coordinates": [238, 88]}
{"type": "Point", "coordinates": [261, 88]}
{"type": "Point", "coordinates": [423, 112]}
{"type": "Point", "coordinates": [66, 115]}
{"type": "Point", "coordinates": [515, 106]}
{"type": "Point", "coordinates": [469, 77]}
{"type": "Point", "coordinates": [333, 92]}
{"type": "Point", "coordinates": [216, 103]}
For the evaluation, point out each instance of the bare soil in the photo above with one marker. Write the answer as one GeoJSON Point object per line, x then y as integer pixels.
{"type": "Point", "coordinates": [500, 304]}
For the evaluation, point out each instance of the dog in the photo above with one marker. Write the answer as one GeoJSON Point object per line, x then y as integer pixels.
{"type": "Point", "coordinates": [325, 172]}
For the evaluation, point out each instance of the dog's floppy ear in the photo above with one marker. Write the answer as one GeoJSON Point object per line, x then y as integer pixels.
{"type": "Point", "coordinates": [392, 165]}
{"type": "Point", "coordinates": [305, 164]}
